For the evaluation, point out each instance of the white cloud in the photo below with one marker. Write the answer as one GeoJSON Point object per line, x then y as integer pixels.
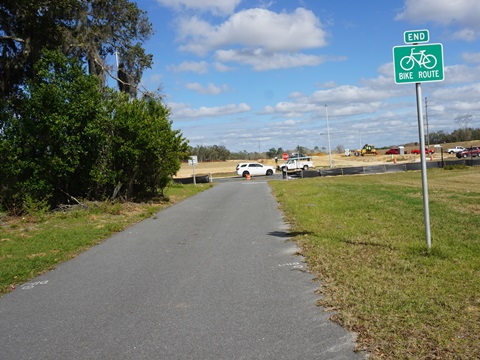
{"type": "Point", "coordinates": [462, 94]}
{"type": "Point", "coordinates": [342, 100]}
{"type": "Point", "coordinates": [262, 60]}
{"type": "Point", "coordinates": [291, 122]}
{"type": "Point", "coordinates": [254, 28]}
{"type": "Point", "coordinates": [152, 81]}
{"type": "Point", "coordinates": [268, 110]}
{"type": "Point", "coordinates": [192, 66]}
{"type": "Point", "coordinates": [440, 11]}
{"type": "Point", "coordinates": [384, 83]}
{"type": "Point", "coordinates": [348, 94]}
{"type": "Point", "coordinates": [217, 7]}
{"type": "Point", "coordinates": [210, 89]}
{"type": "Point", "coordinates": [180, 111]}
{"type": "Point", "coordinates": [461, 74]}
{"type": "Point", "coordinates": [460, 13]}
{"type": "Point", "coordinates": [328, 84]}
{"type": "Point", "coordinates": [465, 35]}
{"type": "Point", "coordinates": [355, 109]}
{"type": "Point", "coordinates": [386, 69]}
{"type": "Point", "coordinates": [471, 57]}
{"type": "Point", "coordinates": [221, 67]}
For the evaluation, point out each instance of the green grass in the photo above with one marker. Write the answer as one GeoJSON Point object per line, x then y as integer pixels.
{"type": "Point", "coordinates": [31, 245]}
{"type": "Point", "coordinates": [364, 237]}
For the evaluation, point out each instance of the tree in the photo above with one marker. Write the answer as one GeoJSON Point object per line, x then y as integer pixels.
{"type": "Point", "coordinates": [49, 140]}
{"type": "Point", "coordinates": [26, 27]}
{"type": "Point", "coordinates": [241, 155]}
{"type": "Point", "coordinates": [271, 153]}
{"type": "Point", "coordinates": [462, 134]}
{"type": "Point", "coordinates": [211, 153]}
{"type": "Point", "coordinates": [90, 30]}
{"type": "Point", "coordinates": [111, 27]}
{"type": "Point", "coordinates": [438, 137]}
{"type": "Point", "coordinates": [142, 151]}
{"type": "Point", "coordinates": [64, 139]}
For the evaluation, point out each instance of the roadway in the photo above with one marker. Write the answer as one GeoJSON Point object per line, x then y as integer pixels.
{"type": "Point", "coordinates": [213, 277]}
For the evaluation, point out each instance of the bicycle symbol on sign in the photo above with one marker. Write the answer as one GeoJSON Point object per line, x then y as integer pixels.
{"type": "Point", "coordinates": [408, 62]}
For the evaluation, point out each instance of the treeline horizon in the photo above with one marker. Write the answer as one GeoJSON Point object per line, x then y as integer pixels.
{"type": "Point", "coordinates": [221, 153]}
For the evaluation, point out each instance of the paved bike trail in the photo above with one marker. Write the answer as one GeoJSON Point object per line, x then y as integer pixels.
{"type": "Point", "coordinates": [213, 277]}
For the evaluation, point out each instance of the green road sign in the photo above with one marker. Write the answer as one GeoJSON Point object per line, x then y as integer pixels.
{"type": "Point", "coordinates": [418, 63]}
{"type": "Point", "coordinates": [416, 36]}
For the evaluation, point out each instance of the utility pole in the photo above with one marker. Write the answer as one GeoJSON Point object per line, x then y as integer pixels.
{"type": "Point", "coordinates": [328, 136]}
{"type": "Point", "coordinates": [426, 120]}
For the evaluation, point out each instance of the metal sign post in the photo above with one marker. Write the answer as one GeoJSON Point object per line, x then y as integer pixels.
{"type": "Point", "coordinates": [426, 209]}
{"type": "Point", "coordinates": [193, 161]}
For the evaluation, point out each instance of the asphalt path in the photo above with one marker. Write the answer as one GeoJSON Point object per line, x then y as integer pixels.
{"type": "Point", "coordinates": [213, 277]}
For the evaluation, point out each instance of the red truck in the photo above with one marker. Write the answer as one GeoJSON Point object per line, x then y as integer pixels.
{"type": "Point", "coordinates": [417, 151]}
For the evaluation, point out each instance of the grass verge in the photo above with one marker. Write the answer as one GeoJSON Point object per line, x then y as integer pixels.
{"type": "Point", "coordinates": [364, 236]}
{"type": "Point", "coordinates": [31, 245]}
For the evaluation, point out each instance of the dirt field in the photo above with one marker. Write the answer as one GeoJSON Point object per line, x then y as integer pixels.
{"type": "Point", "coordinates": [321, 161]}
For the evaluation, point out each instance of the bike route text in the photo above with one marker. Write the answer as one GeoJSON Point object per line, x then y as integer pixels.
{"type": "Point", "coordinates": [426, 74]}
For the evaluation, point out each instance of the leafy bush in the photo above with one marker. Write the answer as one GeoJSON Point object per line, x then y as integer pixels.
{"type": "Point", "coordinates": [36, 209]}
{"type": "Point", "coordinates": [65, 139]}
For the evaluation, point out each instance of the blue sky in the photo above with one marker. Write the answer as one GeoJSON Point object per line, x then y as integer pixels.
{"type": "Point", "coordinates": [253, 75]}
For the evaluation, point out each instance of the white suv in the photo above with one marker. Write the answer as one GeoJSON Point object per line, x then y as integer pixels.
{"type": "Point", "coordinates": [253, 168]}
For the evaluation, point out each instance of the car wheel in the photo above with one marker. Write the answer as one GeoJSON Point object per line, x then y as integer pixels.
{"type": "Point", "coordinates": [465, 155]}
{"type": "Point", "coordinates": [245, 173]}
{"type": "Point", "coordinates": [305, 167]}
{"type": "Point", "coordinates": [269, 172]}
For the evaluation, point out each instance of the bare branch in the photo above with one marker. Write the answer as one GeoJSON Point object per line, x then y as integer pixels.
{"type": "Point", "coordinates": [71, 197]}
{"type": "Point", "coordinates": [107, 70]}
{"type": "Point", "coordinates": [4, 38]}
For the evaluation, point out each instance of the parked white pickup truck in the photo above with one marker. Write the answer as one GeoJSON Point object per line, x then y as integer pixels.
{"type": "Point", "coordinates": [456, 149]}
{"type": "Point", "coordinates": [296, 164]}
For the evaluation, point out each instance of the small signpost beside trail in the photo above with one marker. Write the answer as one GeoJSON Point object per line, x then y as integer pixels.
{"type": "Point", "coordinates": [415, 63]}
{"type": "Point", "coordinates": [193, 161]}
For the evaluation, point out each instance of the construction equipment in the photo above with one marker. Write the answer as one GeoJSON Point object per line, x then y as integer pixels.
{"type": "Point", "coordinates": [368, 150]}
